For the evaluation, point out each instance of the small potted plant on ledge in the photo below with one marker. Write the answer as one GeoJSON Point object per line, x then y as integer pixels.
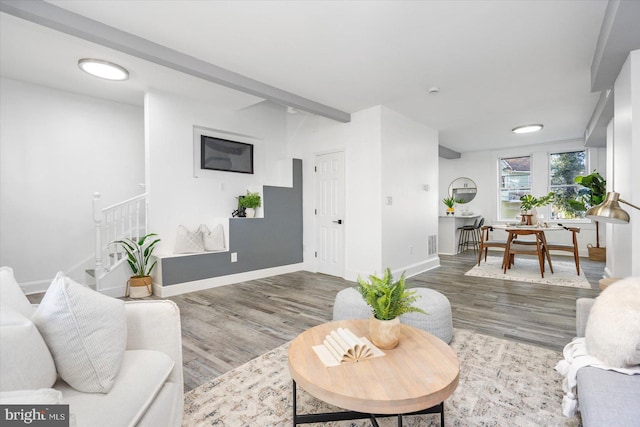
{"type": "Point", "coordinates": [138, 256]}
{"type": "Point", "coordinates": [250, 202]}
{"type": "Point", "coordinates": [388, 301]}
{"type": "Point", "coordinates": [528, 203]}
{"type": "Point", "coordinates": [449, 203]}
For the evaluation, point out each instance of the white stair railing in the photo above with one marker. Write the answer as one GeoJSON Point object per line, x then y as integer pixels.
{"type": "Point", "coordinates": [127, 219]}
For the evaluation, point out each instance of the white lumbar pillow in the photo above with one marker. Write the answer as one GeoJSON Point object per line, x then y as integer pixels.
{"type": "Point", "coordinates": [11, 293]}
{"type": "Point", "coordinates": [214, 239]}
{"type": "Point", "coordinates": [613, 327]}
{"type": "Point", "coordinates": [25, 360]}
{"type": "Point", "coordinates": [86, 333]}
{"type": "Point", "coordinates": [188, 242]}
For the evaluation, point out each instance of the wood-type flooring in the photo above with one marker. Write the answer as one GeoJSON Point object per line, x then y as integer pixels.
{"type": "Point", "coordinates": [227, 326]}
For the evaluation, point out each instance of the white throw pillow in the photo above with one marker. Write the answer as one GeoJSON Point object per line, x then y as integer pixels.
{"type": "Point", "coordinates": [188, 242]}
{"type": "Point", "coordinates": [613, 327]}
{"type": "Point", "coordinates": [25, 360]}
{"type": "Point", "coordinates": [86, 333]}
{"type": "Point", "coordinates": [214, 239]}
{"type": "Point", "coordinates": [11, 293]}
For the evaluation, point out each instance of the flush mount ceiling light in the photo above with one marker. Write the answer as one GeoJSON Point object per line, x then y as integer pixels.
{"type": "Point", "coordinates": [527, 128]}
{"type": "Point", "coordinates": [103, 69]}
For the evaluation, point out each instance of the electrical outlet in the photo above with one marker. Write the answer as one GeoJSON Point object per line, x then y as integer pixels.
{"type": "Point", "coordinates": [234, 256]}
{"type": "Point", "coordinates": [410, 250]}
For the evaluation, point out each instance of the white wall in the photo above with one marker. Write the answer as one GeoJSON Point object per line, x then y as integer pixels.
{"type": "Point", "coordinates": [176, 195]}
{"type": "Point", "coordinates": [409, 162]}
{"type": "Point", "coordinates": [623, 258]}
{"type": "Point", "coordinates": [482, 167]}
{"type": "Point", "coordinates": [56, 150]}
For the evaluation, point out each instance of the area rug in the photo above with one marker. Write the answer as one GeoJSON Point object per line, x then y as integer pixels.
{"type": "Point", "coordinates": [528, 270]}
{"type": "Point", "coordinates": [502, 383]}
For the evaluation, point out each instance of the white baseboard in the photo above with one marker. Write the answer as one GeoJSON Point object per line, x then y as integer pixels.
{"type": "Point", "coordinates": [409, 270]}
{"type": "Point", "coordinates": [214, 282]}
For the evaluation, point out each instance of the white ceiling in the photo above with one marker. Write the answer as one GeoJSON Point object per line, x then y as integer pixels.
{"type": "Point", "coordinates": [498, 64]}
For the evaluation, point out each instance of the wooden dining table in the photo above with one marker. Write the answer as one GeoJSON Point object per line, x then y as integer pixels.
{"type": "Point", "coordinates": [515, 246]}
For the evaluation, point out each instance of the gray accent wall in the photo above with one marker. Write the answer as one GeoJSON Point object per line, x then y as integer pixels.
{"type": "Point", "coordinates": [260, 243]}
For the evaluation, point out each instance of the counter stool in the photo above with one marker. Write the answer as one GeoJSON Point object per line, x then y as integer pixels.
{"type": "Point", "coordinates": [470, 235]}
{"type": "Point", "coordinates": [349, 304]}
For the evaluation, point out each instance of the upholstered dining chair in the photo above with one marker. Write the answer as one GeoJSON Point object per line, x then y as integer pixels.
{"type": "Point", "coordinates": [486, 242]}
{"type": "Point", "coordinates": [568, 247]}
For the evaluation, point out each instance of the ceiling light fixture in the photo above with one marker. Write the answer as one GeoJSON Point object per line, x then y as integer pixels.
{"type": "Point", "coordinates": [527, 128]}
{"type": "Point", "coordinates": [434, 90]}
{"type": "Point", "coordinates": [103, 69]}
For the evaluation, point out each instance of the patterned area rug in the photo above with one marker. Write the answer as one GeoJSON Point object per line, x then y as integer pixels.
{"type": "Point", "coordinates": [527, 270]}
{"type": "Point", "coordinates": [502, 383]}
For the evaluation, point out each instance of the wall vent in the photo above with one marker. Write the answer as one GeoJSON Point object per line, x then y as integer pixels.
{"type": "Point", "coordinates": [433, 244]}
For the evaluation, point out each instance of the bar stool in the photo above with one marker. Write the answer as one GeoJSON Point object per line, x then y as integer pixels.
{"type": "Point", "coordinates": [470, 235]}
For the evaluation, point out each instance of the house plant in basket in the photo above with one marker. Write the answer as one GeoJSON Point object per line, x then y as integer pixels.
{"type": "Point", "coordinates": [388, 300]}
{"type": "Point", "coordinates": [138, 256]}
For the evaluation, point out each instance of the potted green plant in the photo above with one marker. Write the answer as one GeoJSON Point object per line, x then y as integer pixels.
{"type": "Point", "coordinates": [529, 202]}
{"type": "Point", "coordinates": [388, 300]}
{"type": "Point", "coordinates": [250, 202]}
{"type": "Point", "coordinates": [592, 194]}
{"type": "Point", "coordinates": [138, 256]}
{"type": "Point", "coordinates": [449, 202]}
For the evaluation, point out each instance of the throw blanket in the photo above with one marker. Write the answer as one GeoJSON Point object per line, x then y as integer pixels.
{"type": "Point", "coordinates": [576, 357]}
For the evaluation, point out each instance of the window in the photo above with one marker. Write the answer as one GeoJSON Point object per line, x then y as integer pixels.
{"type": "Point", "coordinates": [515, 181]}
{"type": "Point", "coordinates": [563, 168]}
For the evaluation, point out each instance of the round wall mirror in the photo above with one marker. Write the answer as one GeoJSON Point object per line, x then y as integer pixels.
{"type": "Point", "coordinates": [463, 190]}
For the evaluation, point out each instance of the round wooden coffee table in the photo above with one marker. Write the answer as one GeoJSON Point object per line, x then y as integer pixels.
{"type": "Point", "coordinates": [415, 377]}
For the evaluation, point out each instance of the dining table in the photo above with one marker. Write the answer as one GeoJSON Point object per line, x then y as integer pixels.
{"type": "Point", "coordinates": [516, 245]}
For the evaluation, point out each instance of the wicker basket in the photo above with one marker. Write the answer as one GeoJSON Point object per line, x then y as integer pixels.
{"type": "Point", "coordinates": [597, 254]}
{"type": "Point", "coordinates": [139, 287]}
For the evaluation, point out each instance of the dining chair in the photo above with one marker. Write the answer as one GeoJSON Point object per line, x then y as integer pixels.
{"type": "Point", "coordinates": [567, 247]}
{"type": "Point", "coordinates": [486, 242]}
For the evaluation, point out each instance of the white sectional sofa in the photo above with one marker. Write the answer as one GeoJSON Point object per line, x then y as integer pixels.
{"type": "Point", "coordinates": [140, 384]}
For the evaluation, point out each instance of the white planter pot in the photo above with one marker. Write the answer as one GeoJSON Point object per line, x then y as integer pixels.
{"type": "Point", "coordinates": [250, 212]}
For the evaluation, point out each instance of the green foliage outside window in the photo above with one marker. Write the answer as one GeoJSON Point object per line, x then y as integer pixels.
{"type": "Point", "coordinates": [563, 170]}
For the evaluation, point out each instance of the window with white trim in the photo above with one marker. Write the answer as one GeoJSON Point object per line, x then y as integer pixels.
{"type": "Point", "coordinates": [563, 168]}
{"type": "Point", "coordinates": [515, 181]}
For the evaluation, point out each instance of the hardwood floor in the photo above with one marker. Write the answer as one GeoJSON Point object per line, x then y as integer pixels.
{"type": "Point", "coordinates": [227, 326]}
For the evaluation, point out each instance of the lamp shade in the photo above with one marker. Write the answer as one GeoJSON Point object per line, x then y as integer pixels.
{"type": "Point", "coordinates": [609, 210]}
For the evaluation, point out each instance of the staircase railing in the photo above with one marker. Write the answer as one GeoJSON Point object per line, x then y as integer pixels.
{"type": "Point", "coordinates": [126, 219]}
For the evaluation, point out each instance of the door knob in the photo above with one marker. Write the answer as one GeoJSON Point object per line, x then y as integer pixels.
{"type": "Point", "coordinates": [338, 221]}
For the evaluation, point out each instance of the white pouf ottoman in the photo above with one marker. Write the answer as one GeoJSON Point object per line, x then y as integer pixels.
{"type": "Point", "coordinates": [349, 304]}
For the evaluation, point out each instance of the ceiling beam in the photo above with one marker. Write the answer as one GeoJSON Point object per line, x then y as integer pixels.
{"type": "Point", "coordinates": [447, 153]}
{"type": "Point", "coordinates": [63, 20]}
{"type": "Point", "coordinates": [619, 35]}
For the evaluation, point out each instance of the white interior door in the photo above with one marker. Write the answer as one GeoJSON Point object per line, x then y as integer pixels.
{"type": "Point", "coordinates": [330, 189]}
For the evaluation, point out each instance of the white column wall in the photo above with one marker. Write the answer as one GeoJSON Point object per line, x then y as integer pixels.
{"type": "Point", "coordinates": [57, 149]}
{"type": "Point", "coordinates": [623, 258]}
{"type": "Point", "coordinates": [409, 163]}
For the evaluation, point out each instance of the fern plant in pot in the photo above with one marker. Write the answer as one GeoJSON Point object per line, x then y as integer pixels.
{"type": "Point", "coordinates": [138, 257]}
{"type": "Point", "coordinates": [388, 300]}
